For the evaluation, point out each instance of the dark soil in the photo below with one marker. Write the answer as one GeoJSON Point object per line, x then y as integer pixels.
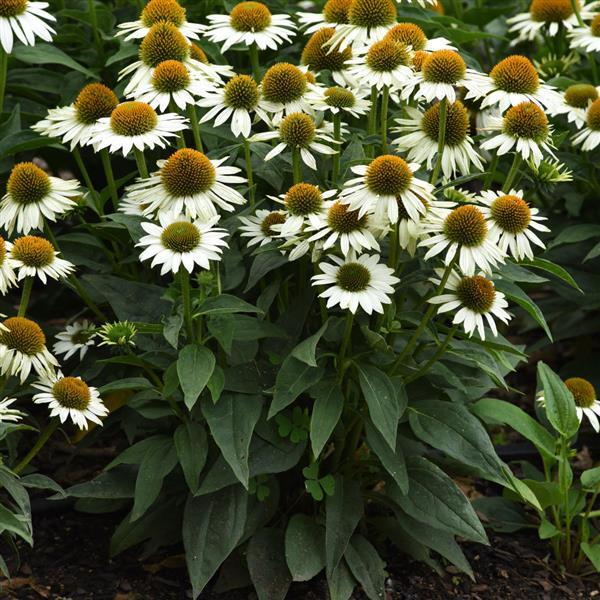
{"type": "Point", "coordinates": [70, 562]}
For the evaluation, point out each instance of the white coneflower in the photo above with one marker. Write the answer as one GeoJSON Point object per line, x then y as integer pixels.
{"type": "Point", "coordinates": [259, 227]}
{"type": "Point", "coordinates": [303, 205]}
{"type": "Point", "coordinates": [179, 241]}
{"type": "Point", "coordinates": [22, 348]}
{"type": "Point", "coordinates": [157, 11]}
{"type": "Point", "coordinates": [172, 82]}
{"type": "Point", "coordinates": [575, 102]}
{"type": "Point", "coordinates": [412, 35]}
{"type": "Point", "coordinates": [8, 277]}
{"type": "Point", "coordinates": [463, 234]}
{"type": "Point", "coordinates": [382, 183]}
{"type": "Point", "coordinates": [476, 298]}
{"type": "Point", "coordinates": [70, 398]}
{"type": "Point", "coordinates": [587, 37]}
{"type": "Point", "coordinates": [237, 101]}
{"type": "Point", "coordinates": [356, 281]}
{"type": "Point", "coordinates": [135, 125]}
{"type": "Point", "coordinates": [515, 80]}
{"type": "Point", "coordinates": [10, 415]}
{"type": "Point", "coordinates": [338, 225]}
{"type": "Point", "coordinates": [34, 256]}
{"type": "Point", "coordinates": [523, 128]}
{"type": "Point", "coordinates": [512, 222]}
{"type": "Point", "coordinates": [32, 196]}
{"type": "Point", "coordinates": [299, 133]}
{"type": "Point", "coordinates": [317, 56]}
{"type": "Point", "coordinates": [589, 136]}
{"type": "Point", "coordinates": [215, 73]}
{"type": "Point", "coordinates": [339, 100]}
{"type": "Point", "coordinates": [440, 74]}
{"type": "Point", "coordinates": [385, 64]}
{"type": "Point", "coordinates": [368, 22]}
{"type": "Point", "coordinates": [283, 91]}
{"type": "Point", "coordinates": [188, 182]}
{"type": "Point", "coordinates": [334, 13]}
{"type": "Point", "coordinates": [548, 17]}
{"type": "Point", "coordinates": [250, 23]}
{"type": "Point", "coordinates": [586, 401]}
{"type": "Point", "coordinates": [24, 20]}
{"type": "Point", "coordinates": [419, 137]}
{"type": "Point", "coordinates": [75, 123]}
{"type": "Point", "coordinates": [119, 333]}
{"type": "Point", "coordinates": [77, 337]}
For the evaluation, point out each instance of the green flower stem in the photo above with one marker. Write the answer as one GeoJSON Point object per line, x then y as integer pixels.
{"type": "Point", "coordinates": [3, 73]}
{"type": "Point", "coordinates": [296, 165]}
{"type": "Point", "coordinates": [394, 246]}
{"type": "Point", "coordinates": [86, 177]}
{"type": "Point", "coordinates": [441, 139]}
{"type": "Point", "coordinates": [249, 174]}
{"type": "Point", "coordinates": [385, 98]}
{"type": "Point", "coordinates": [594, 67]}
{"type": "Point", "coordinates": [575, 7]}
{"type": "Point", "coordinates": [372, 121]}
{"type": "Point", "coordinates": [458, 12]}
{"type": "Point", "coordinates": [25, 295]}
{"type": "Point", "coordinates": [110, 178]}
{"type": "Point", "coordinates": [193, 117]}
{"type": "Point", "coordinates": [345, 343]}
{"type": "Point", "coordinates": [514, 169]}
{"type": "Point", "coordinates": [253, 51]}
{"type": "Point", "coordinates": [424, 321]}
{"type": "Point", "coordinates": [141, 163]}
{"type": "Point", "coordinates": [184, 278]}
{"type": "Point", "coordinates": [491, 172]}
{"type": "Point", "coordinates": [440, 351]}
{"type": "Point", "coordinates": [40, 443]}
{"type": "Point", "coordinates": [322, 305]}
{"type": "Point", "coordinates": [337, 135]}
{"type": "Point", "coordinates": [94, 24]}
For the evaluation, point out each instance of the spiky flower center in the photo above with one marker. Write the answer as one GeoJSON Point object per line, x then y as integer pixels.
{"type": "Point", "coordinates": [297, 130]}
{"type": "Point", "coordinates": [283, 83]}
{"type": "Point", "coordinates": [27, 183]}
{"type": "Point", "coordinates": [583, 391]}
{"type": "Point", "coordinates": [273, 218]}
{"type": "Point", "coordinates": [403, 214]}
{"type": "Point", "coordinates": [187, 172]}
{"type": "Point", "coordinates": [457, 123]}
{"type": "Point", "coordinates": [580, 95]}
{"type": "Point", "coordinates": [162, 10]}
{"type": "Point", "coordinates": [120, 333]}
{"type": "Point", "coordinates": [317, 56]}
{"type": "Point", "coordinates": [250, 16]}
{"type": "Point", "coordinates": [466, 226]}
{"type": "Point", "coordinates": [444, 66]}
{"type": "Point", "coordinates": [94, 102]}
{"type": "Point", "coordinates": [133, 118]}
{"type": "Point", "coordinates": [593, 115]}
{"type": "Point", "coordinates": [23, 335]}
{"type": "Point", "coordinates": [595, 26]}
{"type": "Point", "coordinates": [12, 8]}
{"type": "Point", "coordinates": [72, 392]}
{"type": "Point", "coordinates": [241, 91]}
{"type": "Point", "coordinates": [409, 34]}
{"type": "Point", "coordinates": [339, 97]}
{"type": "Point", "coordinates": [180, 237]}
{"type": "Point", "coordinates": [511, 213]}
{"type": "Point", "coordinates": [388, 175]}
{"type": "Point", "coordinates": [476, 293]}
{"type": "Point", "coordinates": [353, 277]}
{"type": "Point", "coordinates": [372, 13]}
{"type": "Point", "coordinates": [526, 120]}
{"type": "Point", "coordinates": [170, 76]}
{"type": "Point", "coordinates": [418, 59]}
{"type": "Point", "coordinates": [387, 55]}
{"type": "Point", "coordinates": [198, 54]}
{"type": "Point", "coordinates": [163, 42]}
{"type": "Point", "coordinates": [516, 74]}
{"type": "Point", "coordinates": [303, 199]}
{"type": "Point", "coordinates": [33, 251]}
{"type": "Point", "coordinates": [551, 11]}
{"type": "Point", "coordinates": [336, 11]}
{"type": "Point", "coordinates": [343, 220]}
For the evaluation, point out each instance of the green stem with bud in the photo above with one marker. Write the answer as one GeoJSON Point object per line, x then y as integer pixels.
{"type": "Point", "coordinates": [110, 178]}
{"type": "Point", "coordinates": [25, 295]}
{"type": "Point", "coordinates": [514, 169]}
{"type": "Point", "coordinates": [385, 98]}
{"type": "Point", "coordinates": [140, 160]}
{"type": "Point", "coordinates": [441, 140]}
{"type": "Point", "coordinates": [249, 174]}
{"type": "Point", "coordinates": [40, 443]}
{"type": "Point", "coordinates": [337, 135]}
{"type": "Point", "coordinates": [296, 165]}
{"type": "Point", "coordinates": [193, 117]}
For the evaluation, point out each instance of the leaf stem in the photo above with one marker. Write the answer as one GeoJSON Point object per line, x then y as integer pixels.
{"type": "Point", "coordinates": [25, 295]}
{"type": "Point", "coordinates": [3, 74]}
{"type": "Point", "coordinates": [440, 351]}
{"type": "Point", "coordinates": [385, 98]}
{"type": "Point", "coordinates": [40, 443]}
{"type": "Point", "coordinates": [337, 135]}
{"type": "Point", "coordinates": [345, 341]}
{"type": "Point", "coordinates": [141, 163]}
{"type": "Point", "coordinates": [296, 165]}
{"type": "Point", "coordinates": [253, 51]}
{"type": "Point", "coordinates": [86, 177]}
{"type": "Point", "coordinates": [184, 278]}
{"type": "Point", "coordinates": [110, 178]}
{"type": "Point", "coordinates": [514, 169]}
{"type": "Point", "coordinates": [249, 173]}
{"type": "Point", "coordinates": [195, 123]}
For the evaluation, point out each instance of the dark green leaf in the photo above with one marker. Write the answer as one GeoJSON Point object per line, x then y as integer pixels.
{"type": "Point", "coordinates": [192, 448]}
{"type": "Point", "coordinates": [392, 460]}
{"type": "Point", "coordinates": [559, 402]}
{"type": "Point", "coordinates": [267, 565]}
{"type": "Point", "coordinates": [327, 410]}
{"type": "Point", "coordinates": [304, 547]}
{"type": "Point", "coordinates": [194, 368]}
{"type": "Point", "coordinates": [366, 566]}
{"type": "Point", "coordinates": [305, 351]}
